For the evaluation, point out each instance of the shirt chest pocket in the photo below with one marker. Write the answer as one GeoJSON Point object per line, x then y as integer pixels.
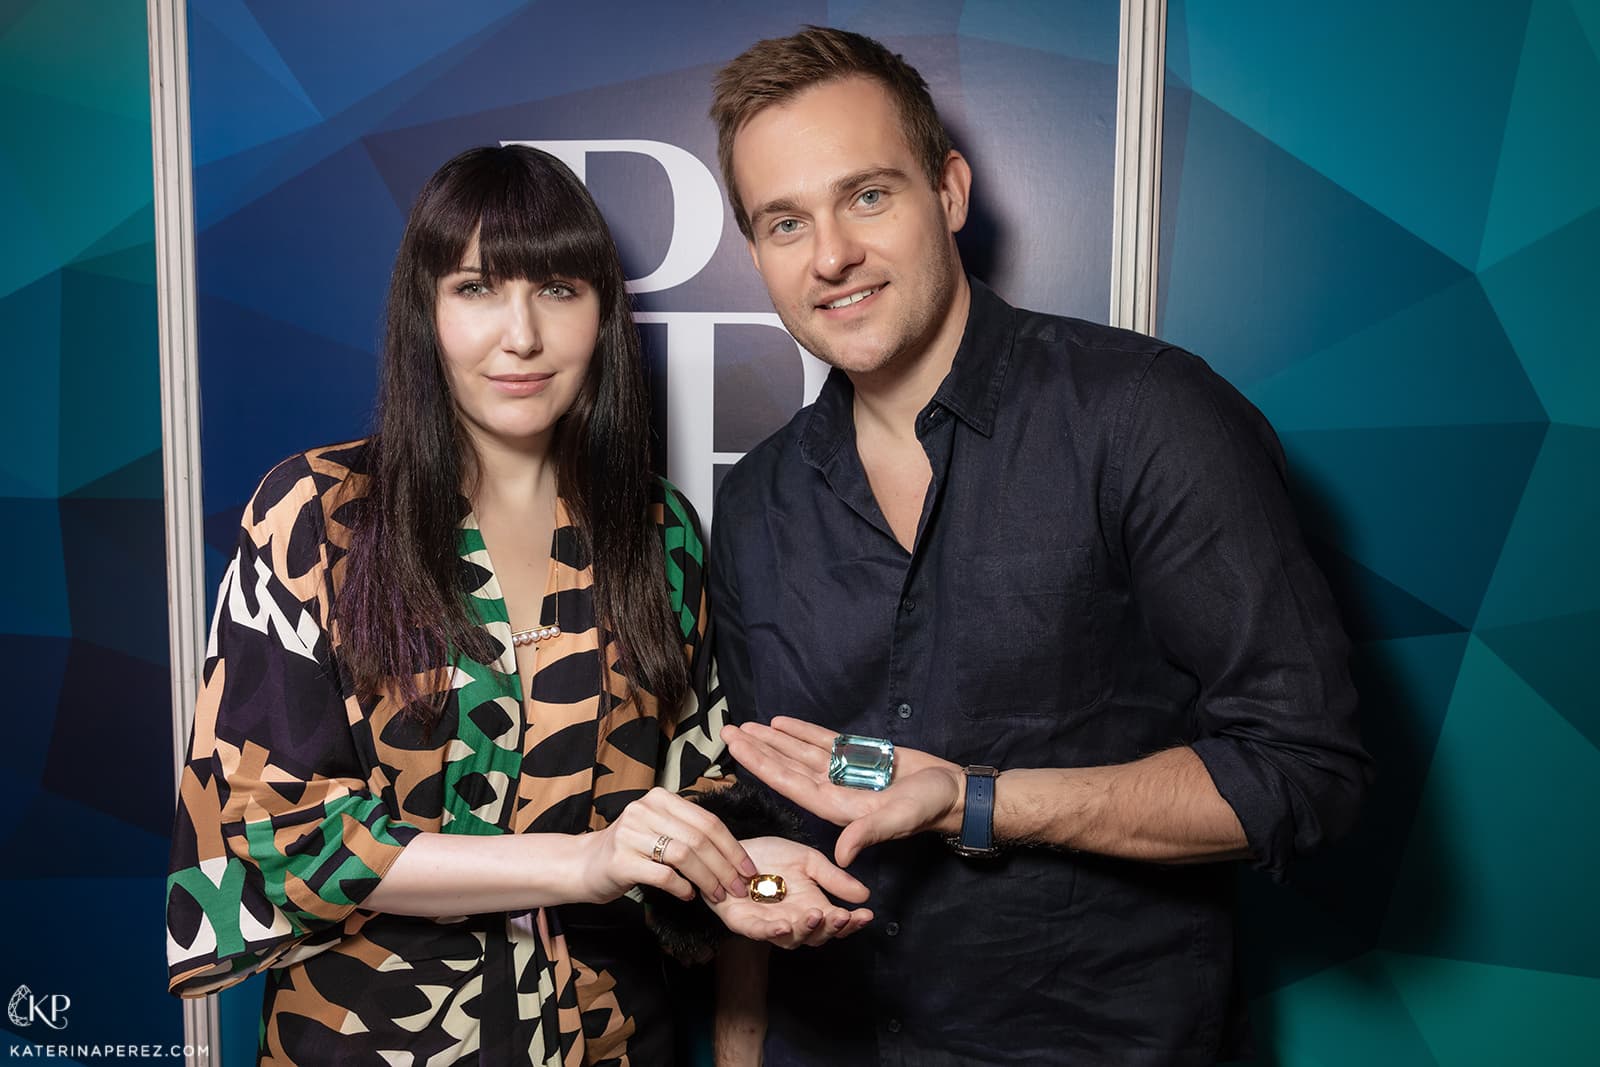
{"type": "Point", "coordinates": [1032, 641]}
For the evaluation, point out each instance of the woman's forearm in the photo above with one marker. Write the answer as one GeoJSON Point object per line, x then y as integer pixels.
{"type": "Point", "coordinates": [457, 874]}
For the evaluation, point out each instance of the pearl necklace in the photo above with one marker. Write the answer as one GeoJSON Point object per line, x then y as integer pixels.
{"type": "Point", "coordinates": [538, 633]}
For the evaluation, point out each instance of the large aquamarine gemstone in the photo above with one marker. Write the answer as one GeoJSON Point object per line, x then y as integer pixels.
{"type": "Point", "coordinates": [861, 762]}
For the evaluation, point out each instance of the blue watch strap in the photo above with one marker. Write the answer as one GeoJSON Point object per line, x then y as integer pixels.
{"type": "Point", "coordinates": [977, 817]}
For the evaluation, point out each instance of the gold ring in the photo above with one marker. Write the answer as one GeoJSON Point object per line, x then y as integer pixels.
{"type": "Point", "coordinates": [768, 888]}
{"type": "Point", "coordinates": [659, 853]}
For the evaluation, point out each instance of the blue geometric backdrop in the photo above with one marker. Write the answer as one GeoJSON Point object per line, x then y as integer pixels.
{"type": "Point", "coordinates": [1380, 221]}
{"type": "Point", "coordinates": [316, 124]}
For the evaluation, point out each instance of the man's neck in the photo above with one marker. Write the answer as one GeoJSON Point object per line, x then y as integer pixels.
{"type": "Point", "coordinates": [888, 400]}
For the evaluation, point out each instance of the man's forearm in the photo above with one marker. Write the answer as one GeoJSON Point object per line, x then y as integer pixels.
{"type": "Point", "coordinates": [741, 1017]}
{"type": "Point", "coordinates": [1160, 809]}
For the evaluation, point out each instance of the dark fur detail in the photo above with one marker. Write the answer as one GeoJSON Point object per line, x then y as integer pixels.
{"type": "Point", "coordinates": [690, 931]}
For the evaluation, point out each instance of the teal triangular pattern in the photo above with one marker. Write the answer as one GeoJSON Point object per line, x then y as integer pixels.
{"type": "Point", "coordinates": [77, 51]}
{"type": "Point", "coordinates": [31, 250]}
{"type": "Point", "coordinates": [110, 406]}
{"type": "Point", "coordinates": [1412, 128]}
{"type": "Point", "coordinates": [76, 205]}
{"type": "Point", "coordinates": [1477, 1013]}
{"type": "Point", "coordinates": [1550, 162]}
{"type": "Point", "coordinates": [1442, 361]}
{"type": "Point", "coordinates": [1544, 296]}
{"type": "Point", "coordinates": [136, 265]}
{"type": "Point", "coordinates": [1374, 608]}
{"type": "Point", "coordinates": [1588, 13]}
{"type": "Point", "coordinates": [132, 234]}
{"type": "Point", "coordinates": [1425, 508]}
{"type": "Point", "coordinates": [1405, 689]}
{"type": "Point", "coordinates": [30, 322]}
{"type": "Point", "coordinates": [1243, 293]}
{"type": "Point", "coordinates": [1555, 656]}
{"type": "Point", "coordinates": [1349, 1014]}
{"type": "Point", "coordinates": [1491, 834]}
{"type": "Point", "coordinates": [33, 598]}
{"type": "Point", "coordinates": [1549, 565]}
{"type": "Point", "coordinates": [139, 479]}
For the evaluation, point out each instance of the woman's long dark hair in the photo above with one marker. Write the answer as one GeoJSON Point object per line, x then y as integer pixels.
{"type": "Point", "coordinates": [401, 604]}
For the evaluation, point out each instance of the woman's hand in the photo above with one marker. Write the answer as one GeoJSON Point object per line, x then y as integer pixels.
{"type": "Point", "coordinates": [805, 916]}
{"type": "Point", "coordinates": [665, 841]}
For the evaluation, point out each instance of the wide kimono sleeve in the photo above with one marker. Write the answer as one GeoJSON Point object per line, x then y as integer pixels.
{"type": "Point", "coordinates": [278, 837]}
{"type": "Point", "coordinates": [1224, 579]}
{"type": "Point", "coordinates": [696, 759]}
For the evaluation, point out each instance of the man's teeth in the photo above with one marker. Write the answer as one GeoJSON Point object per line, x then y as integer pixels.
{"type": "Point", "coordinates": [853, 298]}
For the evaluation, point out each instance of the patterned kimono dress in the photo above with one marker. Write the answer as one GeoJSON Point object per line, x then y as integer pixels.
{"type": "Point", "coordinates": [297, 797]}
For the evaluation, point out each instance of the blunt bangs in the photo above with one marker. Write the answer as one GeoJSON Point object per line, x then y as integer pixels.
{"type": "Point", "coordinates": [533, 219]}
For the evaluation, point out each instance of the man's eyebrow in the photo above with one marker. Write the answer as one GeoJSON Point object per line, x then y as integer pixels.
{"type": "Point", "coordinates": [866, 176]}
{"type": "Point", "coordinates": [781, 206]}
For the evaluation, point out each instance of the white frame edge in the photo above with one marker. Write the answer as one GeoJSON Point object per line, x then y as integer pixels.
{"type": "Point", "coordinates": [180, 412]}
{"type": "Point", "coordinates": [1136, 214]}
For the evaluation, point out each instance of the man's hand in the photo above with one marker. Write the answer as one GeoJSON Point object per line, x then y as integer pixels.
{"type": "Point", "coordinates": [805, 916]}
{"type": "Point", "coordinates": [791, 756]}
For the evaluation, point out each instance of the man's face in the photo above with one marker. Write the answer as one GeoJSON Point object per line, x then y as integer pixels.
{"type": "Point", "coordinates": [856, 249]}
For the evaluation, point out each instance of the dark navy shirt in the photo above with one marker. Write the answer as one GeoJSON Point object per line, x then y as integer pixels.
{"type": "Point", "coordinates": [1107, 565]}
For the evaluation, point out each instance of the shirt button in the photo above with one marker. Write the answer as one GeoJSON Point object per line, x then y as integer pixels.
{"type": "Point", "coordinates": [904, 711]}
{"type": "Point", "coordinates": [893, 1026]}
{"type": "Point", "coordinates": [908, 605]}
{"type": "Point", "coordinates": [892, 929]}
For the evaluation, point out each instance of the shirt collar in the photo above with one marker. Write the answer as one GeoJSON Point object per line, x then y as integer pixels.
{"type": "Point", "coordinates": [971, 391]}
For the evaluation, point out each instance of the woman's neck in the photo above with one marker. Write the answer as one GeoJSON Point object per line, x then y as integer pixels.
{"type": "Point", "coordinates": [510, 480]}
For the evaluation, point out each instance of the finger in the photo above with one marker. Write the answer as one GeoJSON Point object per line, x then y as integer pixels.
{"type": "Point", "coordinates": [809, 732]}
{"type": "Point", "coordinates": [896, 818]}
{"type": "Point", "coordinates": [803, 753]}
{"type": "Point", "coordinates": [716, 836]}
{"type": "Point", "coordinates": [790, 779]}
{"type": "Point", "coordinates": [752, 746]}
{"type": "Point", "coordinates": [813, 931]}
{"type": "Point", "coordinates": [661, 876]}
{"type": "Point", "coordinates": [688, 852]}
{"type": "Point", "coordinates": [833, 881]}
{"type": "Point", "coordinates": [755, 925]}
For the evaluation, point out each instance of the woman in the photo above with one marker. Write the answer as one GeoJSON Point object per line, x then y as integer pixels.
{"type": "Point", "coordinates": [447, 666]}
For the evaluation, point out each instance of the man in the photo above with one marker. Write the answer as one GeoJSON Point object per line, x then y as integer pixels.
{"type": "Point", "coordinates": [1002, 541]}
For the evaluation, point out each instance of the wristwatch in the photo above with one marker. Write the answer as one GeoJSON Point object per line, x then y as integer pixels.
{"type": "Point", "coordinates": [977, 818]}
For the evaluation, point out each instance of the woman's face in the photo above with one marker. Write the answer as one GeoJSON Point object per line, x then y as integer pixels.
{"type": "Point", "coordinates": [515, 352]}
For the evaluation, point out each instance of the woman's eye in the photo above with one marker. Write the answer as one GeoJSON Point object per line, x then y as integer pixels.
{"type": "Point", "coordinates": [560, 290]}
{"type": "Point", "coordinates": [472, 288]}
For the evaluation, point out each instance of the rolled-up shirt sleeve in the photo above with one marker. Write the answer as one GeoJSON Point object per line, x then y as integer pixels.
{"type": "Point", "coordinates": [1223, 578]}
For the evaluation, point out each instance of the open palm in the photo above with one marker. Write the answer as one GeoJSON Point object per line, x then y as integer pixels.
{"type": "Point", "coordinates": [792, 756]}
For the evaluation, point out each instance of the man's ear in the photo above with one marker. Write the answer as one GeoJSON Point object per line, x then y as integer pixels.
{"type": "Point", "coordinates": [755, 260]}
{"type": "Point", "coordinates": [955, 189]}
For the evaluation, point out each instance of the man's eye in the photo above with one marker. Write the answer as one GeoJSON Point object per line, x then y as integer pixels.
{"type": "Point", "coordinates": [786, 226]}
{"type": "Point", "coordinates": [871, 198]}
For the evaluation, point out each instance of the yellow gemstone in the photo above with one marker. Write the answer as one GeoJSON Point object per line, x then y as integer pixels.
{"type": "Point", "coordinates": [768, 888]}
